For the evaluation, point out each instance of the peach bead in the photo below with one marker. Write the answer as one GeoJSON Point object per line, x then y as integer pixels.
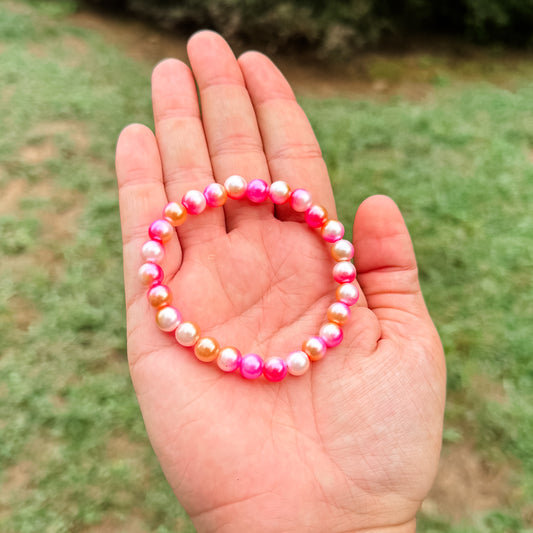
{"type": "Point", "coordinates": [159, 295]}
{"type": "Point", "coordinates": [206, 349]}
{"type": "Point", "coordinates": [315, 348]}
{"type": "Point", "coordinates": [229, 359]}
{"type": "Point", "coordinates": [342, 250]}
{"type": "Point", "coordinates": [347, 293]}
{"type": "Point", "coordinates": [175, 213]}
{"type": "Point", "coordinates": [339, 313]}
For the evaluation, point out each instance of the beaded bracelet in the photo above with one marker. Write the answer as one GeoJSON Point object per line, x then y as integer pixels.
{"type": "Point", "coordinates": [207, 349]}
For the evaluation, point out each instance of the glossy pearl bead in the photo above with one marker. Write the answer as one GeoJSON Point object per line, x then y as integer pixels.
{"type": "Point", "coordinates": [332, 231]}
{"type": "Point", "coordinates": [331, 333]}
{"type": "Point", "coordinates": [251, 366]}
{"type": "Point", "coordinates": [215, 195]}
{"type": "Point", "coordinates": [275, 369]}
{"type": "Point", "coordinates": [347, 293]}
{"type": "Point", "coordinates": [159, 295]}
{"type": "Point", "coordinates": [300, 200]}
{"type": "Point", "coordinates": [315, 216]}
{"type": "Point", "coordinates": [167, 318]}
{"type": "Point", "coordinates": [257, 191]}
{"type": "Point", "coordinates": [315, 348]}
{"type": "Point", "coordinates": [342, 250]}
{"type": "Point", "coordinates": [206, 349]}
{"type": "Point", "coordinates": [160, 230]}
{"type": "Point", "coordinates": [344, 272]}
{"type": "Point", "coordinates": [279, 192]}
{"type": "Point", "coordinates": [298, 363]}
{"type": "Point", "coordinates": [187, 333]}
{"type": "Point", "coordinates": [339, 313]}
{"type": "Point", "coordinates": [229, 359]}
{"type": "Point", "coordinates": [175, 213]}
{"type": "Point", "coordinates": [153, 251]}
{"type": "Point", "coordinates": [150, 273]}
{"type": "Point", "coordinates": [194, 201]}
{"type": "Point", "coordinates": [235, 187]}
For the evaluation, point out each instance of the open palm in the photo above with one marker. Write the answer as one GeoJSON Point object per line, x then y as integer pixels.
{"type": "Point", "coordinates": [353, 444]}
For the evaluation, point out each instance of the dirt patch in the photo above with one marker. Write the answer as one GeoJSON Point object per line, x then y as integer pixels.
{"type": "Point", "coordinates": [467, 485]}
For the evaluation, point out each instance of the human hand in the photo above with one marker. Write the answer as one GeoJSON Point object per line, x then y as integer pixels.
{"type": "Point", "coordinates": [352, 445]}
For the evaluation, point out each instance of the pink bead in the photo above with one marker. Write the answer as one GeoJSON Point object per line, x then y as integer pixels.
{"type": "Point", "coordinates": [298, 363]}
{"type": "Point", "coordinates": [332, 231]}
{"type": "Point", "coordinates": [331, 333]}
{"type": "Point", "coordinates": [160, 230]}
{"type": "Point", "coordinates": [342, 250]}
{"type": "Point", "coordinates": [235, 187]}
{"type": "Point", "coordinates": [279, 192]}
{"type": "Point", "coordinates": [275, 369]}
{"type": "Point", "coordinates": [347, 293]}
{"type": "Point", "coordinates": [194, 201]}
{"type": "Point", "coordinates": [229, 359]}
{"type": "Point", "coordinates": [150, 274]}
{"type": "Point", "coordinates": [251, 366]}
{"type": "Point", "coordinates": [153, 251]}
{"type": "Point", "coordinates": [215, 195]}
{"type": "Point", "coordinates": [301, 200]}
{"type": "Point", "coordinates": [257, 191]}
{"type": "Point", "coordinates": [344, 272]}
{"type": "Point", "coordinates": [167, 318]}
{"type": "Point", "coordinates": [315, 216]}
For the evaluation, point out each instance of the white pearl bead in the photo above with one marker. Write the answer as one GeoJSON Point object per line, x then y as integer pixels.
{"type": "Point", "coordinates": [187, 333]}
{"type": "Point", "coordinates": [168, 318]}
{"type": "Point", "coordinates": [298, 363]}
{"type": "Point", "coordinates": [236, 187]}
{"type": "Point", "coordinates": [153, 251]}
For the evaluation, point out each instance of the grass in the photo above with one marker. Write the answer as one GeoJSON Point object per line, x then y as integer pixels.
{"type": "Point", "coordinates": [73, 453]}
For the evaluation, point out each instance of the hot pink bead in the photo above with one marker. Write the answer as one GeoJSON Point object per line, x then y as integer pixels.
{"type": "Point", "coordinates": [257, 191]}
{"type": "Point", "coordinates": [331, 333]}
{"type": "Point", "coordinates": [150, 274]}
{"type": "Point", "coordinates": [161, 230]}
{"type": "Point", "coordinates": [153, 251]}
{"type": "Point", "coordinates": [301, 200]}
{"type": "Point", "coordinates": [298, 363]}
{"type": "Point", "coordinates": [342, 250]}
{"type": "Point", "coordinates": [315, 216]}
{"type": "Point", "coordinates": [332, 231]}
{"type": "Point", "coordinates": [344, 272]}
{"type": "Point", "coordinates": [275, 369]}
{"type": "Point", "coordinates": [167, 318]}
{"type": "Point", "coordinates": [251, 366]}
{"type": "Point", "coordinates": [215, 195]}
{"type": "Point", "coordinates": [194, 201]}
{"type": "Point", "coordinates": [229, 359]}
{"type": "Point", "coordinates": [235, 187]}
{"type": "Point", "coordinates": [347, 293]}
{"type": "Point", "coordinates": [279, 192]}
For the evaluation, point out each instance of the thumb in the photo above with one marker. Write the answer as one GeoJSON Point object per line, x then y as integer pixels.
{"type": "Point", "coordinates": [386, 265]}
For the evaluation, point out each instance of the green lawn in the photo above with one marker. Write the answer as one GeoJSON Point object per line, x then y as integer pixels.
{"type": "Point", "coordinates": [73, 452]}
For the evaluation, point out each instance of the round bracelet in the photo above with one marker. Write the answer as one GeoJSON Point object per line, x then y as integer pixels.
{"type": "Point", "coordinates": [207, 349]}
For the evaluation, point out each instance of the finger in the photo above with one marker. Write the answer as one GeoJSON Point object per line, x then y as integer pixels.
{"type": "Point", "coordinates": [182, 145]}
{"type": "Point", "coordinates": [141, 198]}
{"type": "Point", "coordinates": [291, 148]}
{"type": "Point", "coordinates": [386, 264]}
{"type": "Point", "coordinates": [229, 121]}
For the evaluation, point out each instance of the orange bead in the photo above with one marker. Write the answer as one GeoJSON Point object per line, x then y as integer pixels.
{"type": "Point", "coordinates": [159, 295]}
{"type": "Point", "coordinates": [175, 213]}
{"type": "Point", "coordinates": [315, 348]}
{"type": "Point", "coordinates": [206, 349]}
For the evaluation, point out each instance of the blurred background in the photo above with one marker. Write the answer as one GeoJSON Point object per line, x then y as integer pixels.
{"type": "Point", "coordinates": [428, 102]}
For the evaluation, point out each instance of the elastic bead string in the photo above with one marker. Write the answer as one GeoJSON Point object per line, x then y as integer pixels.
{"type": "Point", "coordinates": [229, 358]}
